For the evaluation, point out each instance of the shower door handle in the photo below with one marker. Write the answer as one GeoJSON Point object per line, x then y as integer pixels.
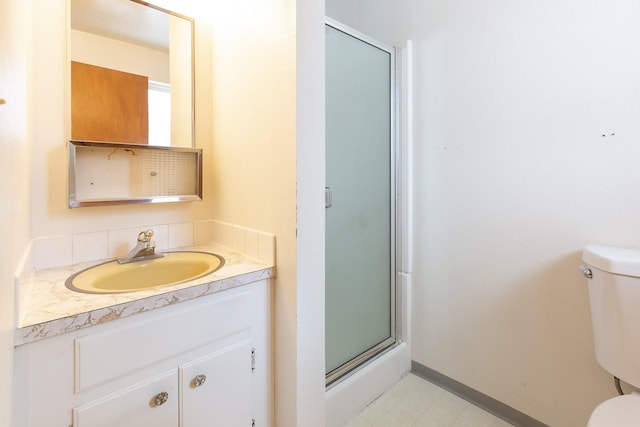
{"type": "Point", "coordinates": [328, 197]}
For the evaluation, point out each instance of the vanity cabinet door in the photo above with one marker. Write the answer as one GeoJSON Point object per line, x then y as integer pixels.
{"type": "Point", "coordinates": [152, 403]}
{"type": "Point", "coordinates": [216, 389]}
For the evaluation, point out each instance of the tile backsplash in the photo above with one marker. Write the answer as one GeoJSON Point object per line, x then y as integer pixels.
{"type": "Point", "coordinates": [255, 243]}
{"type": "Point", "coordinates": [56, 251]}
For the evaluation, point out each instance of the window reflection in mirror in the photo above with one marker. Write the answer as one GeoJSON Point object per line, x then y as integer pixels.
{"type": "Point", "coordinates": [130, 47]}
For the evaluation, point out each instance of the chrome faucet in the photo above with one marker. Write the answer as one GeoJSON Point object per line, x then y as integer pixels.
{"type": "Point", "coordinates": [145, 249]}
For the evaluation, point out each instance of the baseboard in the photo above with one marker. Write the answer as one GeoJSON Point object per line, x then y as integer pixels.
{"type": "Point", "coordinates": [499, 409]}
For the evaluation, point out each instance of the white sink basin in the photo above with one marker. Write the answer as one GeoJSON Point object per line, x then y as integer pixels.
{"type": "Point", "coordinates": [173, 268]}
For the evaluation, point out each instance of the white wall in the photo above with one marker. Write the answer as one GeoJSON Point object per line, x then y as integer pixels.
{"type": "Point", "coordinates": [513, 176]}
{"type": "Point", "coordinates": [268, 92]}
{"type": "Point", "coordinates": [15, 146]}
{"type": "Point", "coordinates": [118, 55]}
{"type": "Point", "coordinates": [310, 209]}
{"type": "Point", "coordinates": [180, 32]}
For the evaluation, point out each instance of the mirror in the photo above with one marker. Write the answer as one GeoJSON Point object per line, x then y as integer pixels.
{"type": "Point", "coordinates": [131, 66]}
{"type": "Point", "coordinates": [131, 105]}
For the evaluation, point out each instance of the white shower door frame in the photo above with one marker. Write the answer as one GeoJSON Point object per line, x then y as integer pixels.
{"type": "Point", "coordinates": [353, 392]}
{"type": "Point", "coordinates": [338, 374]}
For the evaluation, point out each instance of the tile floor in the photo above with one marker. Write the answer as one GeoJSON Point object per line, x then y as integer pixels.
{"type": "Point", "coordinates": [415, 402]}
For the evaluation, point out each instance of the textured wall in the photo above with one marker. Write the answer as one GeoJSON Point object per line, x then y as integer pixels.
{"type": "Point", "coordinates": [15, 146]}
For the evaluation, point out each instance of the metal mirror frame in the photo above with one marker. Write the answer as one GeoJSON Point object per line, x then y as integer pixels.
{"type": "Point", "coordinates": [73, 200]}
{"type": "Point", "coordinates": [76, 202]}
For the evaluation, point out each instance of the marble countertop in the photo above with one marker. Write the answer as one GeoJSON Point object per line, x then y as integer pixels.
{"type": "Point", "coordinates": [47, 308]}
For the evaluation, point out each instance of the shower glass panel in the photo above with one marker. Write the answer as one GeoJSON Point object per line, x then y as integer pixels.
{"type": "Point", "coordinates": [360, 248]}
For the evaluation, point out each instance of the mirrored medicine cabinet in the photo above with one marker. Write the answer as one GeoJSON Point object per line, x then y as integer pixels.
{"type": "Point", "coordinates": [131, 104]}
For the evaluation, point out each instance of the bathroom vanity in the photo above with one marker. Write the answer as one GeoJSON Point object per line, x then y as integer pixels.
{"type": "Point", "coordinates": [193, 354]}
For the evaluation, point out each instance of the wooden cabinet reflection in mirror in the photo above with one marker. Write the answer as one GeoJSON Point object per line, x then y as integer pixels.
{"type": "Point", "coordinates": [108, 105]}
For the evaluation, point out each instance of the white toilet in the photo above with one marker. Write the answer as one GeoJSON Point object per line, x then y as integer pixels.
{"type": "Point", "coordinates": [614, 296]}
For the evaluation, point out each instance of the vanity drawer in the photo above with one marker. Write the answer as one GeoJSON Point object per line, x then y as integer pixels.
{"type": "Point", "coordinates": [121, 350]}
{"type": "Point", "coordinates": [152, 403]}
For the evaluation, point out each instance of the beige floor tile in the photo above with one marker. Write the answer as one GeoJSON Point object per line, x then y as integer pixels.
{"type": "Point", "coordinates": [415, 402]}
{"type": "Point", "coordinates": [475, 417]}
{"type": "Point", "coordinates": [444, 412]}
{"type": "Point", "coordinates": [501, 423]}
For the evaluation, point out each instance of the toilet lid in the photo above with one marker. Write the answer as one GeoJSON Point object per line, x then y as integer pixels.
{"type": "Point", "coordinates": [621, 411]}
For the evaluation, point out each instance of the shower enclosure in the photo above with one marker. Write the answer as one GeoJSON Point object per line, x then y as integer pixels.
{"type": "Point", "coordinates": [361, 200]}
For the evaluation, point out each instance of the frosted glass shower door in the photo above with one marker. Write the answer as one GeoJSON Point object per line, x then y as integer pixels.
{"type": "Point", "coordinates": [359, 222]}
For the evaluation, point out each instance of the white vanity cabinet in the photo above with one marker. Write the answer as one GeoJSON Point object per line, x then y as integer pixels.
{"type": "Point", "coordinates": [203, 362]}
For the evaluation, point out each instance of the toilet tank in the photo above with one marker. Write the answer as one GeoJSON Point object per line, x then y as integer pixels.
{"type": "Point", "coordinates": [614, 298]}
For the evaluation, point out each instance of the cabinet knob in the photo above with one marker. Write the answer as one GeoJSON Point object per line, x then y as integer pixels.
{"type": "Point", "coordinates": [161, 398]}
{"type": "Point", "coordinates": [198, 380]}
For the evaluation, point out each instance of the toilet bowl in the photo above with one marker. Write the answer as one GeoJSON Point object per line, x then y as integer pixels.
{"type": "Point", "coordinates": [621, 411]}
{"type": "Point", "coordinates": [614, 298]}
